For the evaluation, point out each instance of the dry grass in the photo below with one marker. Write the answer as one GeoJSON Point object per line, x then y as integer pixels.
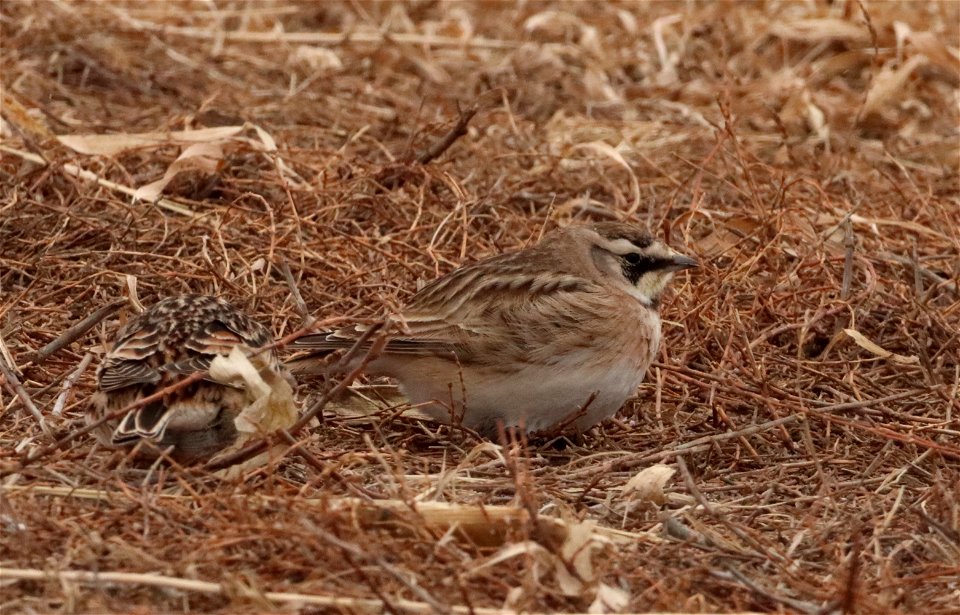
{"type": "Point", "coordinates": [806, 152]}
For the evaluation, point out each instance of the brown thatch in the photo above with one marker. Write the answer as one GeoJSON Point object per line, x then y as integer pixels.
{"type": "Point", "coordinates": [796, 449]}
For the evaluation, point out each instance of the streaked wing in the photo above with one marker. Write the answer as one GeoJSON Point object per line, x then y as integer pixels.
{"type": "Point", "coordinates": [190, 365]}
{"type": "Point", "coordinates": [524, 323]}
{"type": "Point", "coordinates": [128, 362]}
{"type": "Point", "coordinates": [137, 343]}
{"type": "Point", "coordinates": [221, 334]}
{"type": "Point", "coordinates": [508, 277]}
{"type": "Point", "coordinates": [178, 337]}
{"type": "Point", "coordinates": [214, 338]}
{"type": "Point", "coordinates": [478, 300]}
{"type": "Point", "coordinates": [475, 307]}
{"type": "Point", "coordinates": [327, 341]}
{"type": "Point", "coordinates": [118, 374]}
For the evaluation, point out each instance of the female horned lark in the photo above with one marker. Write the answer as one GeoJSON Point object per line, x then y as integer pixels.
{"type": "Point", "coordinates": [556, 335]}
{"type": "Point", "coordinates": [173, 339]}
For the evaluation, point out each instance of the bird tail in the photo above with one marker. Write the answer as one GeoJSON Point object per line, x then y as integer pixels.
{"type": "Point", "coordinates": [317, 348]}
{"type": "Point", "coordinates": [148, 422]}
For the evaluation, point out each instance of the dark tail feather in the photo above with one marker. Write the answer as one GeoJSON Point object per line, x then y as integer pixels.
{"type": "Point", "coordinates": [317, 346]}
{"type": "Point", "coordinates": [324, 342]}
{"type": "Point", "coordinates": [149, 422]}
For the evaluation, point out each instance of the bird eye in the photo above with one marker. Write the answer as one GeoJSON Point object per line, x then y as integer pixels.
{"type": "Point", "coordinates": [633, 258]}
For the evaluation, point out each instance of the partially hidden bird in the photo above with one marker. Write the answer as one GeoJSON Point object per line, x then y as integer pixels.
{"type": "Point", "coordinates": [170, 341]}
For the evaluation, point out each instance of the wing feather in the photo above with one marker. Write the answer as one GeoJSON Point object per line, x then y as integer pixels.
{"type": "Point", "coordinates": [469, 313]}
{"type": "Point", "coordinates": [504, 304]}
{"type": "Point", "coordinates": [119, 374]}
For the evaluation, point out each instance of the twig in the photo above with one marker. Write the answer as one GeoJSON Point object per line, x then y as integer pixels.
{"type": "Point", "coordinates": [571, 418]}
{"type": "Point", "coordinates": [351, 354]}
{"type": "Point", "coordinates": [849, 242]}
{"type": "Point", "coordinates": [948, 532]}
{"type": "Point", "coordinates": [5, 352]}
{"type": "Point", "coordinates": [930, 275]}
{"type": "Point", "coordinates": [374, 586]}
{"type": "Point", "coordinates": [734, 574]}
{"type": "Point", "coordinates": [75, 171]}
{"type": "Point", "coordinates": [695, 492]}
{"type": "Point", "coordinates": [13, 383]}
{"type": "Point", "coordinates": [848, 602]}
{"type": "Point", "coordinates": [306, 318]}
{"type": "Point", "coordinates": [459, 129]}
{"type": "Point", "coordinates": [76, 331]}
{"type": "Point", "coordinates": [740, 388]}
{"type": "Point", "coordinates": [385, 566]}
{"type": "Point", "coordinates": [472, 519]}
{"type": "Point", "coordinates": [311, 460]}
{"type": "Point", "coordinates": [915, 262]}
{"type": "Point", "coordinates": [706, 441]}
{"type": "Point", "coordinates": [159, 580]}
{"type": "Point", "coordinates": [68, 383]}
{"type": "Point", "coordinates": [891, 434]}
{"type": "Point", "coordinates": [317, 38]}
{"type": "Point", "coordinates": [73, 435]}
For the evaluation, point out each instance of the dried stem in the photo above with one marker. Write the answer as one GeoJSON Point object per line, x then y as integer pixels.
{"type": "Point", "coordinates": [440, 146]}
{"type": "Point", "coordinates": [13, 384]}
{"type": "Point", "coordinates": [77, 331]}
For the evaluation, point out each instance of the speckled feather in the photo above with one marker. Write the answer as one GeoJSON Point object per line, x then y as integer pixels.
{"type": "Point", "coordinates": [172, 339]}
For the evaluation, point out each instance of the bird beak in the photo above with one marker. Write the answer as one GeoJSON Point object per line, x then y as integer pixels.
{"type": "Point", "coordinates": [680, 262]}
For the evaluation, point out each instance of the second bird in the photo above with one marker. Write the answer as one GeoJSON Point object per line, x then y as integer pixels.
{"type": "Point", "coordinates": [557, 335]}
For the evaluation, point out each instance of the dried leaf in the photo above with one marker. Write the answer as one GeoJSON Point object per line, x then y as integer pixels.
{"type": "Point", "coordinates": [552, 23]}
{"type": "Point", "coordinates": [647, 484]}
{"type": "Point", "coordinates": [668, 61]}
{"type": "Point", "coordinates": [540, 62]}
{"type": "Point", "coordinates": [272, 404]}
{"type": "Point", "coordinates": [590, 41]}
{"type": "Point", "coordinates": [901, 33]}
{"type": "Point", "coordinates": [597, 86]}
{"type": "Point", "coordinates": [269, 143]}
{"type": "Point", "coordinates": [109, 145]}
{"type": "Point", "coordinates": [729, 234]}
{"type": "Point", "coordinates": [132, 294]}
{"type": "Point", "coordinates": [932, 46]}
{"type": "Point", "coordinates": [906, 224]}
{"type": "Point", "coordinates": [628, 21]}
{"type": "Point", "coordinates": [574, 570]}
{"type": "Point", "coordinates": [816, 118]}
{"type": "Point", "coordinates": [888, 83]}
{"type": "Point", "coordinates": [609, 600]}
{"type": "Point", "coordinates": [510, 551]}
{"type": "Point", "coordinates": [818, 30]}
{"type": "Point", "coordinates": [200, 156]}
{"type": "Point", "coordinates": [874, 348]}
{"type": "Point", "coordinates": [26, 119]}
{"type": "Point", "coordinates": [320, 59]}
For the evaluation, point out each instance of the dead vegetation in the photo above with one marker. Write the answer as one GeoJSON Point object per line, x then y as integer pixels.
{"type": "Point", "coordinates": [797, 448]}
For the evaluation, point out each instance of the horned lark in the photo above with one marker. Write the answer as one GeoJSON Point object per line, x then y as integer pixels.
{"type": "Point", "coordinates": [556, 335]}
{"type": "Point", "coordinates": [171, 340]}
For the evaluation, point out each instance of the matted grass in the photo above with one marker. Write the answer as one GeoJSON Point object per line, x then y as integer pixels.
{"type": "Point", "coordinates": [807, 397]}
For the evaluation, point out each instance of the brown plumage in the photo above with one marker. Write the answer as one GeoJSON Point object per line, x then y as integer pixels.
{"type": "Point", "coordinates": [174, 338]}
{"type": "Point", "coordinates": [560, 332]}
